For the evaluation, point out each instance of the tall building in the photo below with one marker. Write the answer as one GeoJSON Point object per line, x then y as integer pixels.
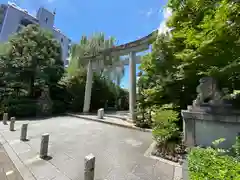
{"type": "Point", "coordinates": [13, 19]}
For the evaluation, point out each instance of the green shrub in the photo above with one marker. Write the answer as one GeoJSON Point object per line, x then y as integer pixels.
{"type": "Point", "coordinates": [236, 147]}
{"type": "Point", "coordinates": [209, 164]}
{"type": "Point", "coordinates": [74, 92]}
{"type": "Point", "coordinates": [233, 99]}
{"type": "Point", "coordinates": [213, 163]}
{"type": "Point", "coordinates": [144, 119]}
{"type": "Point", "coordinates": [19, 106]}
{"type": "Point", "coordinates": [165, 128]}
{"type": "Point", "coordinates": [61, 99]}
{"type": "Point", "coordinates": [75, 89]}
{"type": "Point", "coordinates": [58, 107]}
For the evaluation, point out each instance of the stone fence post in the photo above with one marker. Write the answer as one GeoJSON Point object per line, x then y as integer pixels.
{"type": "Point", "coordinates": [44, 146]}
{"type": "Point", "coordinates": [89, 166]}
{"type": "Point", "coordinates": [100, 113]}
{"type": "Point", "coordinates": [12, 122]}
{"type": "Point", "coordinates": [23, 136]}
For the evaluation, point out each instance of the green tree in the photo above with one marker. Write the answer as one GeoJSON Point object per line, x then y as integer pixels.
{"type": "Point", "coordinates": [32, 60]}
{"type": "Point", "coordinates": [35, 58]}
{"type": "Point", "coordinates": [90, 46]}
{"type": "Point", "coordinates": [204, 41]}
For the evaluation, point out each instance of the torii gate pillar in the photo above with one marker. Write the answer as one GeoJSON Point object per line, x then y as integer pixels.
{"type": "Point", "coordinates": [132, 85]}
{"type": "Point", "coordinates": [88, 88]}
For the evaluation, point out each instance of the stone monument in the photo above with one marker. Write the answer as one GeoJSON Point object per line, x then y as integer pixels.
{"type": "Point", "coordinates": [209, 117]}
{"type": "Point", "coordinates": [208, 93]}
{"type": "Point", "coordinates": [44, 103]}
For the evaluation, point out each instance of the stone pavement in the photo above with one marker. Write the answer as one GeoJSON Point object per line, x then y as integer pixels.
{"type": "Point", "coordinates": [119, 151]}
{"type": "Point", "coordinates": [7, 169]}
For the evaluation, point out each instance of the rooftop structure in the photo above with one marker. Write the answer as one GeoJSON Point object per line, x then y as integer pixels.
{"type": "Point", "coordinates": [14, 18]}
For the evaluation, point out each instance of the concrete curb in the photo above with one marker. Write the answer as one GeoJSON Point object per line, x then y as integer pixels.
{"type": "Point", "coordinates": [177, 167]}
{"type": "Point", "coordinates": [112, 116]}
{"type": "Point", "coordinates": [23, 170]}
{"type": "Point", "coordinates": [119, 117]}
{"type": "Point", "coordinates": [110, 123]}
{"type": "Point", "coordinates": [185, 170]}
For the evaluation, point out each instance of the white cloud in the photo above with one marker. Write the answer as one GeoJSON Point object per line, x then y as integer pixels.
{"type": "Point", "coordinates": [163, 29]}
{"type": "Point", "coordinates": [150, 12]}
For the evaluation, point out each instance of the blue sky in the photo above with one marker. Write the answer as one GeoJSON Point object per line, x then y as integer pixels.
{"type": "Point", "coordinates": [127, 20]}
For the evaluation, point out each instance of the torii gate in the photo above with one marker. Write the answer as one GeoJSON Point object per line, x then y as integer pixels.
{"type": "Point", "coordinates": [130, 49]}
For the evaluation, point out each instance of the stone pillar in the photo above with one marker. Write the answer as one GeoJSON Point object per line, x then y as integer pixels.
{"type": "Point", "coordinates": [100, 113]}
{"type": "Point", "coordinates": [44, 146]}
{"type": "Point", "coordinates": [89, 166]}
{"type": "Point", "coordinates": [23, 136]}
{"type": "Point", "coordinates": [132, 84]}
{"type": "Point", "coordinates": [5, 118]}
{"type": "Point", "coordinates": [88, 88]}
{"type": "Point", "coordinates": [12, 122]}
{"type": "Point", "coordinates": [189, 134]}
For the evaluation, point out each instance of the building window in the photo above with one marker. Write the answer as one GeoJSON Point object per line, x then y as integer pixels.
{"type": "Point", "coordinates": [46, 20]}
{"type": "Point", "coordinates": [61, 39]}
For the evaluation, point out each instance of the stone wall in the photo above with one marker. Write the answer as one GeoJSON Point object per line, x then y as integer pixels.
{"type": "Point", "coordinates": [201, 128]}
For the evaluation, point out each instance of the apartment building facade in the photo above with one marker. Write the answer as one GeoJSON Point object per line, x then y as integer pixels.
{"type": "Point", "coordinates": [14, 18]}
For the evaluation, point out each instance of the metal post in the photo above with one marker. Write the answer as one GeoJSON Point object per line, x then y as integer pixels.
{"type": "Point", "coordinates": [5, 118]}
{"type": "Point", "coordinates": [12, 122]}
{"type": "Point", "coordinates": [44, 146]}
{"type": "Point", "coordinates": [89, 166]}
{"type": "Point", "coordinates": [23, 136]}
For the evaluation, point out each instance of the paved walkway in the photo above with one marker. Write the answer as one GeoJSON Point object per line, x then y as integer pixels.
{"type": "Point", "coordinates": [119, 151]}
{"type": "Point", "coordinates": [7, 168]}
